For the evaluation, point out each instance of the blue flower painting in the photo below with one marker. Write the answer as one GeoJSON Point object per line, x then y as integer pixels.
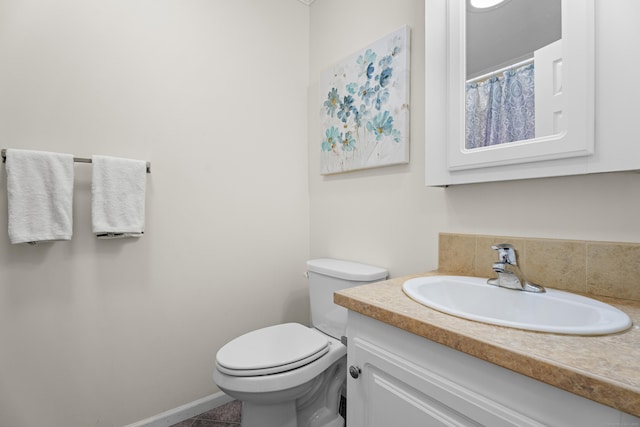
{"type": "Point", "coordinates": [365, 107]}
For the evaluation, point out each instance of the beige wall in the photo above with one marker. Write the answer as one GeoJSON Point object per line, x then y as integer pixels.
{"type": "Point", "coordinates": [388, 217]}
{"type": "Point", "coordinates": [213, 93]}
{"type": "Point", "coordinates": [384, 216]}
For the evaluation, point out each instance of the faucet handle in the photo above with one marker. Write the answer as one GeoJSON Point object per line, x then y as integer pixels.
{"type": "Point", "coordinates": [506, 253]}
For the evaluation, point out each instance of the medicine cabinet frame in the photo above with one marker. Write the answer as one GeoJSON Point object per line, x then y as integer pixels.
{"type": "Point", "coordinates": [575, 80]}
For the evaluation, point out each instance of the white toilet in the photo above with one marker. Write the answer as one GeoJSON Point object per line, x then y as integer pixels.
{"type": "Point", "coordinates": [291, 375]}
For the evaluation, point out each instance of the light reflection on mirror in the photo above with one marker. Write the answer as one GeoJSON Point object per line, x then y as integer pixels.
{"type": "Point", "coordinates": [510, 96]}
{"type": "Point", "coordinates": [483, 4]}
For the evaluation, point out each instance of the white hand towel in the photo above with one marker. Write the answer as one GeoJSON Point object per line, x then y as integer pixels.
{"type": "Point", "coordinates": [118, 197]}
{"type": "Point", "coordinates": [40, 196]}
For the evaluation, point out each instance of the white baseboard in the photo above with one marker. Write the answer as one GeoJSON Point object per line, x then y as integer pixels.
{"type": "Point", "coordinates": [186, 411]}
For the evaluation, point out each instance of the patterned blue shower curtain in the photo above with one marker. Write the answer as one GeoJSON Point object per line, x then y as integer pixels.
{"type": "Point", "coordinates": [501, 109]}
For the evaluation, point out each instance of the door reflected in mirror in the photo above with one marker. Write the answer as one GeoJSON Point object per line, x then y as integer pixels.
{"type": "Point", "coordinates": [513, 89]}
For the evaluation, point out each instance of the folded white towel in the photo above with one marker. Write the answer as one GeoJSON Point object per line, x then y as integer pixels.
{"type": "Point", "coordinates": [118, 196]}
{"type": "Point", "coordinates": [40, 196]}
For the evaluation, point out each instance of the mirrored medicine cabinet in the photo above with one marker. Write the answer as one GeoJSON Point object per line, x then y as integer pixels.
{"type": "Point", "coordinates": [515, 82]}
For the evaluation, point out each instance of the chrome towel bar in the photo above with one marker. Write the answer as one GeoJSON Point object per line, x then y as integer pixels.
{"type": "Point", "coordinates": [75, 159]}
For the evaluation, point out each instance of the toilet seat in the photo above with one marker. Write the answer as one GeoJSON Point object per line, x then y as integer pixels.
{"type": "Point", "coordinates": [272, 350]}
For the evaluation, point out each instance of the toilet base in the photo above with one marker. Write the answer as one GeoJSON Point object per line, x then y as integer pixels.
{"type": "Point", "coordinates": [278, 415]}
{"type": "Point", "coordinates": [283, 415]}
{"type": "Point", "coordinates": [312, 404]}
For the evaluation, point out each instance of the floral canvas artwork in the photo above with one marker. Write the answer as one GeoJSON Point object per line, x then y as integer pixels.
{"type": "Point", "coordinates": [365, 107]}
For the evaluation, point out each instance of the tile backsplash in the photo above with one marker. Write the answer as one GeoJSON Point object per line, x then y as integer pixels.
{"type": "Point", "coordinates": [598, 268]}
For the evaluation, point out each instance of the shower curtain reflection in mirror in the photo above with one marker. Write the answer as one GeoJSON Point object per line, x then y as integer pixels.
{"type": "Point", "coordinates": [501, 108]}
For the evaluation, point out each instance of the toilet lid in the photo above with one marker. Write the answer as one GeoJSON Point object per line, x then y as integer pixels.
{"type": "Point", "coordinates": [272, 350]}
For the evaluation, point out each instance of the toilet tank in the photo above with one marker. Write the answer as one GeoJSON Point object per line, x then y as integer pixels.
{"type": "Point", "coordinates": [328, 275]}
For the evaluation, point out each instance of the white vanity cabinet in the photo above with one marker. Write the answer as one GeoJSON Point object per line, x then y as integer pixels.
{"type": "Point", "coordinates": [400, 379]}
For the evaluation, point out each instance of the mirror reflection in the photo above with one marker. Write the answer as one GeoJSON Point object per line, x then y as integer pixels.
{"type": "Point", "coordinates": [513, 71]}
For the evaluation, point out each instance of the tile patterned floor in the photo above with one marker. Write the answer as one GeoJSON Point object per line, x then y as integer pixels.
{"type": "Point", "coordinates": [229, 415]}
{"type": "Point", "coordinates": [224, 416]}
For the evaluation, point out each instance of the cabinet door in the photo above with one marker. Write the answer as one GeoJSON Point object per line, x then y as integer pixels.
{"type": "Point", "coordinates": [393, 391]}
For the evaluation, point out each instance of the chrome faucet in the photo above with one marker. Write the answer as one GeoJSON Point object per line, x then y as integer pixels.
{"type": "Point", "coordinates": [509, 274]}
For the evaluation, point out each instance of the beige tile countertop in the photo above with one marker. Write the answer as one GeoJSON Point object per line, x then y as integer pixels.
{"type": "Point", "coordinates": [605, 369]}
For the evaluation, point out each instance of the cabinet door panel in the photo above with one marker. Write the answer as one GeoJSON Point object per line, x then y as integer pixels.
{"type": "Point", "coordinates": [404, 405]}
{"type": "Point", "coordinates": [392, 389]}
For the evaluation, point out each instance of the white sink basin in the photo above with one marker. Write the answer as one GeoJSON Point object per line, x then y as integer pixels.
{"type": "Point", "coordinates": [553, 311]}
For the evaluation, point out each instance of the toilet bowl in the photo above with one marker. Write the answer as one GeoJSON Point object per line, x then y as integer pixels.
{"type": "Point", "coordinates": [291, 375]}
{"type": "Point", "coordinates": [317, 375]}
